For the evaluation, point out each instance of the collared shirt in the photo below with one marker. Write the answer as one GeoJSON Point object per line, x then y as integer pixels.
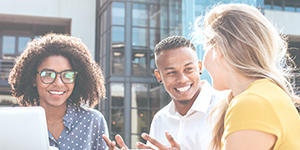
{"type": "Point", "coordinates": [192, 131]}
{"type": "Point", "coordinates": [83, 130]}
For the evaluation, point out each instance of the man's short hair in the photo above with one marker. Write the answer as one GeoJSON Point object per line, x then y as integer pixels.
{"type": "Point", "coordinates": [172, 42]}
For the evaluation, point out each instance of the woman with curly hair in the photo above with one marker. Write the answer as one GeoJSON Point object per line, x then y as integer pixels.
{"type": "Point", "coordinates": [58, 73]}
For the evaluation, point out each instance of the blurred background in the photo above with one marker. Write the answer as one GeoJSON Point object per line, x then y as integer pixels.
{"type": "Point", "coordinates": [121, 35]}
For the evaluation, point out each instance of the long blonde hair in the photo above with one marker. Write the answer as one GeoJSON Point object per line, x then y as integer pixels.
{"type": "Point", "coordinates": [250, 44]}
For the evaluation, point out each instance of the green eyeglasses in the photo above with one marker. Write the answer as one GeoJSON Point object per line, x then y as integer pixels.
{"type": "Point", "coordinates": [48, 76]}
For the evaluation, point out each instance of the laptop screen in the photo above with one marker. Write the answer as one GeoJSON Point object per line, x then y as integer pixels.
{"type": "Point", "coordinates": [23, 128]}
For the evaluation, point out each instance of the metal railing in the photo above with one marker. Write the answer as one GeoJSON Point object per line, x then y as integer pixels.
{"type": "Point", "coordinates": [284, 5]}
{"type": "Point", "coordinates": [5, 66]}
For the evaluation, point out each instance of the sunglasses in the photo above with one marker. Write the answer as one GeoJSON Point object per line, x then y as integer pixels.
{"type": "Point", "coordinates": [49, 76]}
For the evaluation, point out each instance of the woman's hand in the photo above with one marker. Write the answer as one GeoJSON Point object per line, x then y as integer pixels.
{"type": "Point", "coordinates": [112, 144]}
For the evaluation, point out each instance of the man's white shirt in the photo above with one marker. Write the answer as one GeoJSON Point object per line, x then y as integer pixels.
{"type": "Point", "coordinates": [193, 130]}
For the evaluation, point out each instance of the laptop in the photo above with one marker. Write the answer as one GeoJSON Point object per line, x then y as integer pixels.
{"type": "Point", "coordinates": [23, 128]}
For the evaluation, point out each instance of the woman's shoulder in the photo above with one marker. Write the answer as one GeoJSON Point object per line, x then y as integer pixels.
{"type": "Point", "coordinates": [91, 112]}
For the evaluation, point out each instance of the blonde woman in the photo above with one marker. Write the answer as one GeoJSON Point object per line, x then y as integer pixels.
{"type": "Point", "coordinates": [245, 54]}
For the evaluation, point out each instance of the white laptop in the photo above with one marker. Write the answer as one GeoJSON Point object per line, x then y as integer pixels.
{"type": "Point", "coordinates": [23, 128]}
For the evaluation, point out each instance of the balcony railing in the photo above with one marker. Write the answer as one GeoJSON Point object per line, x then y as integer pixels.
{"type": "Point", "coordinates": [283, 5]}
{"type": "Point", "coordinates": [5, 66]}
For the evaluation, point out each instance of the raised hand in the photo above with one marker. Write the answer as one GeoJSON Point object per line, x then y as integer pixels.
{"type": "Point", "coordinates": [158, 145]}
{"type": "Point", "coordinates": [112, 144]}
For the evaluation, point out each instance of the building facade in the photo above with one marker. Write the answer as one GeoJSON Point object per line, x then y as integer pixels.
{"type": "Point", "coordinates": [126, 33]}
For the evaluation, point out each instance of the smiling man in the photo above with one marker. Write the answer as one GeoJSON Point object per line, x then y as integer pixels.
{"type": "Point", "coordinates": [185, 118]}
{"type": "Point", "coordinates": [183, 123]}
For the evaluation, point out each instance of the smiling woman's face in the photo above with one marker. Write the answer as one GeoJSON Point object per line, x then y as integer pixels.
{"type": "Point", "coordinates": [56, 93]}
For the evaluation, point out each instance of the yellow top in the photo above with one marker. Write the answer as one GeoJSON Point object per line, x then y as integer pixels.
{"type": "Point", "coordinates": [265, 107]}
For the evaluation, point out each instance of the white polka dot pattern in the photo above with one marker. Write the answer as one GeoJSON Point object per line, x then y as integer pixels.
{"type": "Point", "coordinates": [83, 130]}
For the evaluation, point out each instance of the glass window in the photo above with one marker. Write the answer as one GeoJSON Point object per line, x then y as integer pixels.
{"type": "Point", "coordinates": [37, 36]}
{"type": "Point", "coordinates": [158, 96]}
{"type": "Point", "coordinates": [152, 64]}
{"type": "Point", "coordinates": [8, 45]}
{"type": "Point", "coordinates": [154, 37]}
{"type": "Point", "coordinates": [117, 122]}
{"type": "Point", "coordinates": [117, 94]}
{"type": "Point", "coordinates": [118, 13]}
{"type": "Point", "coordinates": [22, 43]}
{"type": "Point", "coordinates": [139, 14]}
{"type": "Point", "coordinates": [154, 15]}
{"type": "Point", "coordinates": [163, 16]}
{"type": "Point", "coordinates": [139, 37]}
{"type": "Point", "coordinates": [139, 95]}
{"type": "Point", "coordinates": [117, 34]}
{"type": "Point", "coordinates": [139, 120]}
{"type": "Point", "coordinates": [118, 62]}
{"type": "Point", "coordinates": [139, 64]}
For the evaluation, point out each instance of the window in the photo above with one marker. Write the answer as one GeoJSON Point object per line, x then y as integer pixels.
{"type": "Point", "coordinates": [144, 104]}
{"type": "Point", "coordinates": [139, 64]}
{"type": "Point", "coordinates": [16, 31]}
{"type": "Point", "coordinates": [118, 13]}
{"type": "Point", "coordinates": [14, 44]}
{"type": "Point", "coordinates": [123, 43]}
{"type": "Point", "coordinates": [117, 34]}
{"type": "Point", "coordinates": [22, 42]}
{"type": "Point", "coordinates": [117, 109]}
{"type": "Point", "coordinates": [150, 24]}
{"type": "Point", "coordinates": [118, 61]}
{"type": "Point", "coordinates": [117, 38]}
{"type": "Point", "coordinates": [139, 37]}
{"type": "Point", "coordinates": [139, 15]}
{"type": "Point", "coordinates": [286, 5]}
{"type": "Point", "coordinates": [8, 44]}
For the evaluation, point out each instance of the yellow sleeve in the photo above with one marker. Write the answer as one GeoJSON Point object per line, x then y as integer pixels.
{"type": "Point", "coordinates": [251, 112]}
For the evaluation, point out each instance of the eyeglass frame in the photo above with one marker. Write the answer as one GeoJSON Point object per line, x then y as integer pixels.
{"type": "Point", "coordinates": [56, 73]}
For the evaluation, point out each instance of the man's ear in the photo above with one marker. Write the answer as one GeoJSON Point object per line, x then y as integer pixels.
{"type": "Point", "coordinates": [200, 65]}
{"type": "Point", "coordinates": [157, 75]}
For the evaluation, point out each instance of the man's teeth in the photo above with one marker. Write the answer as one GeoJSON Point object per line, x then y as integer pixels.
{"type": "Point", "coordinates": [56, 92]}
{"type": "Point", "coordinates": [183, 89]}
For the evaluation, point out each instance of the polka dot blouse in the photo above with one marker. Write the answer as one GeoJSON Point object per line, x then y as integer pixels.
{"type": "Point", "coordinates": [83, 130]}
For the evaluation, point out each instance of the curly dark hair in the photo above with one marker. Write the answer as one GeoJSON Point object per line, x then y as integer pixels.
{"type": "Point", "coordinates": [172, 42]}
{"type": "Point", "coordinates": [89, 84]}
